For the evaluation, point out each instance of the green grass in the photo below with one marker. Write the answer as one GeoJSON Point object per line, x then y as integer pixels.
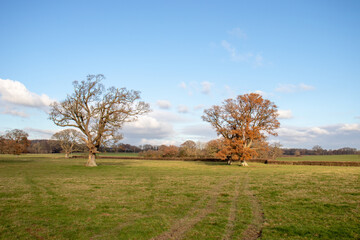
{"type": "Point", "coordinates": [49, 197]}
{"type": "Point", "coordinates": [326, 158]}
{"type": "Point", "coordinates": [122, 154]}
{"type": "Point", "coordinates": [302, 202]}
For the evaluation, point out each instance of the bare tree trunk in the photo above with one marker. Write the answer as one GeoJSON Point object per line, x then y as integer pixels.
{"type": "Point", "coordinates": [229, 161]}
{"type": "Point", "coordinates": [91, 161]}
{"type": "Point", "coordinates": [67, 155]}
{"type": "Point", "coordinates": [244, 163]}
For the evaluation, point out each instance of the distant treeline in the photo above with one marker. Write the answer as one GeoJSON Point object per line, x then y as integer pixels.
{"type": "Point", "coordinates": [319, 151]}
{"type": "Point", "coordinates": [53, 146]}
{"type": "Point", "coordinates": [189, 148]}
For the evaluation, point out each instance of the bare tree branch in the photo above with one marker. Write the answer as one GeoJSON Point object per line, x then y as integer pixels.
{"type": "Point", "coordinates": [98, 113]}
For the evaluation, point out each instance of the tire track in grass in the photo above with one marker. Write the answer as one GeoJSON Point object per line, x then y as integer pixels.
{"type": "Point", "coordinates": [254, 230]}
{"type": "Point", "coordinates": [232, 212]}
{"type": "Point", "coordinates": [119, 227]}
{"type": "Point", "coordinates": [196, 214]}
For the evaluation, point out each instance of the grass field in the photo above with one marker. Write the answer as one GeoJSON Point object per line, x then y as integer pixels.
{"type": "Point", "coordinates": [326, 158]}
{"type": "Point", "coordinates": [120, 154]}
{"type": "Point", "coordinates": [49, 197]}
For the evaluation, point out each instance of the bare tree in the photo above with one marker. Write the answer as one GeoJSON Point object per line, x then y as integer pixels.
{"type": "Point", "coordinates": [188, 149]}
{"type": "Point", "coordinates": [318, 150]}
{"type": "Point", "coordinates": [241, 122]}
{"type": "Point", "coordinates": [68, 139]}
{"type": "Point", "coordinates": [97, 113]}
{"type": "Point", "coordinates": [213, 147]}
{"type": "Point", "coordinates": [275, 150]}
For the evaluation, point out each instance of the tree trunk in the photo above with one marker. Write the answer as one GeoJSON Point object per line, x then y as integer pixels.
{"type": "Point", "coordinates": [244, 163]}
{"type": "Point", "coordinates": [91, 161]}
{"type": "Point", "coordinates": [229, 161]}
{"type": "Point", "coordinates": [66, 155]}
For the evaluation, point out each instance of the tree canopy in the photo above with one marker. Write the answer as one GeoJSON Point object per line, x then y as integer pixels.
{"type": "Point", "coordinates": [241, 122]}
{"type": "Point", "coordinates": [99, 114]}
{"type": "Point", "coordinates": [68, 139]}
{"type": "Point", "coordinates": [14, 142]}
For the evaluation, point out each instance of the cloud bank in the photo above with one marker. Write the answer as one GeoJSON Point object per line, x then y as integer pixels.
{"type": "Point", "coordinates": [330, 137]}
{"type": "Point", "coordinates": [16, 93]}
{"type": "Point", "coordinates": [285, 114]}
{"type": "Point", "coordinates": [146, 127]}
{"type": "Point", "coordinates": [15, 98]}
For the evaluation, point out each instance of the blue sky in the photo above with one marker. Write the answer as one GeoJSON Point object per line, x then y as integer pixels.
{"type": "Point", "coordinates": [185, 56]}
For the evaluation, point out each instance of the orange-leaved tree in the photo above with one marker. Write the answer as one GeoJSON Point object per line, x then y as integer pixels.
{"type": "Point", "coordinates": [14, 142]}
{"type": "Point", "coordinates": [241, 122]}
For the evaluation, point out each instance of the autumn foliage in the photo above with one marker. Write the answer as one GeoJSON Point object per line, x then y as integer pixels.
{"type": "Point", "coordinates": [14, 142]}
{"type": "Point", "coordinates": [241, 122]}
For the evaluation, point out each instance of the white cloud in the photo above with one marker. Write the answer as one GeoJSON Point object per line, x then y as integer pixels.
{"type": "Point", "coordinates": [158, 142]}
{"type": "Point", "coordinates": [14, 112]}
{"type": "Point", "coordinates": [237, 32]}
{"type": "Point", "coordinates": [183, 109]}
{"type": "Point", "coordinates": [163, 104]}
{"type": "Point", "coordinates": [256, 60]}
{"type": "Point", "coordinates": [305, 87]}
{"type": "Point", "coordinates": [15, 92]}
{"type": "Point", "coordinates": [206, 87]}
{"type": "Point", "coordinates": [147, 127]}
{"type": "Point", "coordinates": [200, 132]}
{"type": "Point", "coordinates": [285, 114]}
{"type": "Point", "coordinates": [199, 107]}
{"type": "Point", "coordinates": [262, 93]}
{"type": "Point", "coordinates": [35, 133]}
{"type": "Point", "coordinates": [167, 116]}
{"type": "Point", "coordinates": [319, 131]}
{"type": "Point", "coordinates": [231, 50]}
{"type": "Point", "coordinates": [290, 88]}
{"type": "Point", "coordinates": [154, 129]}
{"type": "Point", "coordinates": [203, 87]}
{"type": "Point", "coordinates": [145, 122]}
{"type": "Point", "coordinates": [350, 127]}
{"type": "Point", "coordinates": [292, 132]}
{"type": "Point", "coordinates": [188, 87]}
{"type": "Point", "coordinates": [329, 137]}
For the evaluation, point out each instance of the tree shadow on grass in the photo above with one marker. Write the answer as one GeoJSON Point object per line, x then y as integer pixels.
{"type": "Point", "coordinates": [115, 163]}
{"type": "Point", "coordinates": [16, 160]}
{"type": "Point", "coordinates": [213, 163]}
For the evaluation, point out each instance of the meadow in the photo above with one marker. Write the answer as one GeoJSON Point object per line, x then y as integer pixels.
{"type": "Point", "coordinates": [49, 197]}
{"type": "Point", "coordinates": [326, 158]}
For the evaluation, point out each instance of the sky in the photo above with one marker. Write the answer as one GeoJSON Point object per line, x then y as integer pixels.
{"type": "Point", "coordinates": [184, 57]}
